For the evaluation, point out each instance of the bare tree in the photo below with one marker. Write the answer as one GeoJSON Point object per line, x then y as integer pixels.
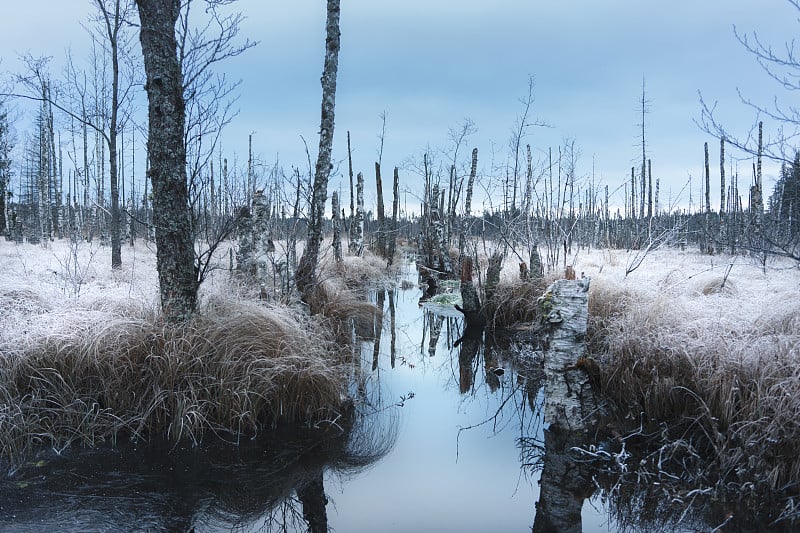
{"type": "Point", "coordinates": [783, 66]}
{"type": "Point", "coordinates": [305, 276]}
{"type": "Point", "coordinates": [177, 273]}
{"type": "Point", "coordinates": [114, 18]}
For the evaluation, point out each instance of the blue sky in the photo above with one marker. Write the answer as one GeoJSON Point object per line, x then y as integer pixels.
{"type": "Point", "coordinates": [429, 65]}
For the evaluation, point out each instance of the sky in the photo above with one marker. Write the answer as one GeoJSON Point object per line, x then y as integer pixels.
{"type": "Point", "coordinates": [428, 66]}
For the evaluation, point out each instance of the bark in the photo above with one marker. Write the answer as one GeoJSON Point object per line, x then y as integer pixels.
{"type": "Point", "coordinates": [462, 235]}
{"type": "Point", "coordinates": [262, 243]}
{"type": "Point", "coordinates": [708, 179]}
{"type": "Point", "coordinates": [5, 169]}
{"type": "Point", "coordinates": [350, 175]}
{"type": "Point", "coordinates": [649, 189]}
{"type": "Point", "coordinates": [305, 276]}
{"type": "Point", "coordinates": [357, 229]}
{"type": "Point", "coordinates": [380, 243]}
{"type": "Point", "coordinates": [177, 275]}
{"type": "Point", "coordinates": [337, 237]}
{"type": "Point", "coordinates": [474, 315]}
{"type": "Point", "coordinates": [569, 400]}
{"type": "Point", "coordinates": [444, 263]}
{"type": "Point", "coordinates": [395, 215]}
{"type": "Point", "coordinates": [492, 280]}
{"type": "Point", "coordinates": [722, 176]}
{"type": "Point", "coordinates": [113, 24]}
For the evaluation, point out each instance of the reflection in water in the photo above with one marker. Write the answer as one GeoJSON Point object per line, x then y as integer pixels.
{"type": "Point", "coordinates": [434, 323]}
{"type": "Point", "coordinates": [376, 350]}
{"type": "Point", "coordinates": [393, 327]}
{"type": "Point", "coordinates": [212, 487]}
{"type": "Point", "coordinates": [313, 498]}
{"type": "Point", "coordinates": [565, 483]}
{"type": "Point", "coordinates": [469, 345]}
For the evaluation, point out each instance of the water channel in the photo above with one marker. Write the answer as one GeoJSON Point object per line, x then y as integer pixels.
{"type": "Point", "coordinates": [448, 437]}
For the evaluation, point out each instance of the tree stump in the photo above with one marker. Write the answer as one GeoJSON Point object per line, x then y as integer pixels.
{"type": "Point", "coordinates": [570, 402]}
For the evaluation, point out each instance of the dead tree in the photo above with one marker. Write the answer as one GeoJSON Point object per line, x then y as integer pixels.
{"type": "Point", "coordinates": [380, 240]}
{"type": "Point", "coordinates": [305, 274]}
{"type": "Point", "coordinates": [395, 215]}
{"type": "Point", "coordinates": [357, 224]}
{"type": "Point", "coordinates": [336, 221]}
{"type": "Point", "coordinates": [570, 402]}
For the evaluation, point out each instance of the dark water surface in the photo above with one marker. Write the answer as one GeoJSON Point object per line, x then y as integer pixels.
{"type": "Point", "coordinates": [444, 439]}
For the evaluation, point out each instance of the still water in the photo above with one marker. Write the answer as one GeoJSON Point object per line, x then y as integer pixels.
{"type": "Point", "coordinates": [444, 438]}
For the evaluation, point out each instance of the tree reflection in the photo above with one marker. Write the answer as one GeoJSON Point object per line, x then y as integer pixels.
{"type": "Point", "coordinates": [565, 483]}
{"type": "Point", "coordinates": [216, 485]}
{"type": "Point", "coordinates": [469, 344]}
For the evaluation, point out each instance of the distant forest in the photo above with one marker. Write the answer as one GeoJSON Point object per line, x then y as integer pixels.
{"type": "Point", "coordinates": [74, 177]}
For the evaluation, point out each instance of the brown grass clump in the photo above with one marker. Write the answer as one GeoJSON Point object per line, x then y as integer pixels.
{"type": "Point", "coordinates": [344, 310]}
{"type": "Point", "coordinates": [359, 271]}
{"type": "Point", "coordinates": [515, 301]}
{"type": "Point", "coordinates": [97, 375]}
{"type": "Point", "coordinates": [728, 388]}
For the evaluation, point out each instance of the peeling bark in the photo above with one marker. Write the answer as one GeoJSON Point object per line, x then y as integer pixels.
{"type": "Point", "coordinates": [570, 402]}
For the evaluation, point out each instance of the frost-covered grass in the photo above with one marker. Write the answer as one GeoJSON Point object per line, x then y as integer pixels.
{"type": "Point", "coordinates": [709, 345]}
{"type": "Point", "coordinates": [705, 348]}
{"type": "Point", "coordinates": [85, 356]}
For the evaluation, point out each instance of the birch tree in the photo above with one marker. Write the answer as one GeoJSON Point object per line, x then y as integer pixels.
{"type": "Point", "coordinates": [305, 276]}
{"type": "Point", "coordinates": [6, 144]}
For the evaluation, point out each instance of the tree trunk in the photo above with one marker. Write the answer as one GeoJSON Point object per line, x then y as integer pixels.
{"type": "Point", "coordinates": [380, 241]}
{"type": "Point", "coordinates": [177, 275]}
{"type": "Point", "coordinates": [337, 238]}
{"type": "Point", "coordinates": [305, 276]}
{"type": "Point", "coordinates": [492, 280]}
{"type": "Point", "coordinates": [113, 24]}
{"type": "Point", "coordinates": [357, 228]}
{"type": "Point", "coordinates": [462, 234]}
{"type": "Point", "coordinates": [395, 214]}
{"type": "Point", "coordinates": [474, 315]}
{"type": "Point", "coordinates": [564, 485]}
{"type": "Point", "coordinates": [350, 233]}
{"type": "Point", "coordinates": [569, 398]}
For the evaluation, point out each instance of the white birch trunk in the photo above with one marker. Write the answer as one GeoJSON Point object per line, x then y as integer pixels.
{"type": "Point", "coordinates": [569, 399]}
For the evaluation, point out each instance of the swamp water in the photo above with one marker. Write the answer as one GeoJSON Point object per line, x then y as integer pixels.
{"type": "Point", "coordinates": [446, 438]}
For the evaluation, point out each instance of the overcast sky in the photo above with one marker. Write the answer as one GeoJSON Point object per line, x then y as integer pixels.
{"type": "Point", "coordinates": [431, 64]}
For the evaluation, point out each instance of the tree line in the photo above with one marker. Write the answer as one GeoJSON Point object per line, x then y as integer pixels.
{"type": "Point", "coordinates": [192, 201]}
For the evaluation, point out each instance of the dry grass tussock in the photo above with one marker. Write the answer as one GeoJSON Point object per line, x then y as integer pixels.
{"type": "Point", "coordinates": [93, 375]}
{"type": "Point", "coordinates": [356, 272]}
{"type": "Point", "coordinates": [514, 301]}
{"type": "Point", "coordinates": [719, 364]}
{"type": "Point", "coordinates": [343, 310]}
{"type": "Point", "coordinates": [93, 362]}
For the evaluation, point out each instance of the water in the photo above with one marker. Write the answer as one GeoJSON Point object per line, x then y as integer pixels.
{"type": "Point", "coordinates": [445, 438]}
{"type": "Point", "coordinates": [455, 464]}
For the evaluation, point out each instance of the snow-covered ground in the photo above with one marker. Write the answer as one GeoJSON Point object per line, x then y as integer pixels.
{"type": "Point", "coordinates": [60, 275]}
